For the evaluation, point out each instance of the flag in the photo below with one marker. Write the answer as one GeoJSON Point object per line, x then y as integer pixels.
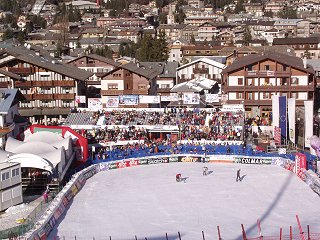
{"type": "Point", "coordinates": [283, 115]}
{"type": "Point", "coordinates": [277, 135]}
{"type": "Point", "coordinates": [275, 112]}
{"type": "Point", "coordinates": [308, 122]}
{"type": "Point", "coordinates": [292, 119]}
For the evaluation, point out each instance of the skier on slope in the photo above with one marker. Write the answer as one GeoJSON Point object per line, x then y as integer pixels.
{"type": "Point", "coordinates": [205, 171]}
{"type": "Point", "coordinates": [238, 176]}
{"type": "Point", "coordinates": [178, 177]}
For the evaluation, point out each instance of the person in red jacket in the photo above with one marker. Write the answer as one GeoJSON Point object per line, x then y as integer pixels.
{"type": "Point", "coordinates": [178, 177]}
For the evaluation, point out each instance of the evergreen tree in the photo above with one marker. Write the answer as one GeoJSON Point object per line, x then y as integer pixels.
{"type": "Point", "coordinates": [192, 39]}
{"type": "Point", "coordinates": [288, 12]}
{"type": "Point", "coordinates": [164, 52]}
{"type": "Point", "coordinates": [239, 7]}
{"type": "Point", "coordinates": [247, 37]}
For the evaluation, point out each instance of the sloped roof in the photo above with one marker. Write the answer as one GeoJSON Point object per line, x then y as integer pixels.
{"type": "Point", "coordinates": [194, 85]}
{"type": "Point", "coordinates": [296, 40]}
{"type": "Point", "coordinates": [137, 69]}
{"type": "Point", "coordinates": [10, 74]}
{"type": "Point", "coordinates": [205, 60]}
{"type": "Point", "coordinates": [9, 97]}
{"type": "Point", "coordinates": [99, 58]}
{"type": "Point", "coordinates": [46, 62]}
{"type": "Point", "coordinates": [282, 58]}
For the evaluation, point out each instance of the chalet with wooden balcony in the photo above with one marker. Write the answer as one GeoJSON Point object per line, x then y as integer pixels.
{"type": "Point", "coordinates": [253, 79]}
{"type": "Point", "coordinates": [202, 67]}
{"type": "Point", "coordinates": [303, 46]}
{"type": "Point", "coordinates": [50, 87]}
{"type": "Point", "coordinates": [129, 79]}
{"type": "Point", "coordinates": [97, 65]}
{"type": "Point", "coordinates": [11, 123]}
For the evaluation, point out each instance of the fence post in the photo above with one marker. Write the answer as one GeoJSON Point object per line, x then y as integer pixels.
{"type": "Point", "coordinates": [300, 228]}
{"type": "Point", "coordinates": [290, 233]}
{"type": "Point", "coordinates": [219, 235]}
{"type": "Point", "coordinates": [203, 236]}
{"type": "Point", "coordinates": [135, 236]}
{"type": "Point", "coordinates": [167, 236]}
{"type": "Point", "coordinates": [179, 235]}
{"type": "Point", "coordinates": [280, 233]}
{"type": "Point", "coordinates": [244, 236]}
{"type": "Point", "coordinates": [75, 237]}
{"type": "Point", "coordinates": [308, 227]}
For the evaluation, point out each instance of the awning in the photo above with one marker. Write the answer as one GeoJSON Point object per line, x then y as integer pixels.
{"type": "Point", "coordinates": [28, 160]}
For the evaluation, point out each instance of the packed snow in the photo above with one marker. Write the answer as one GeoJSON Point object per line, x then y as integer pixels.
{"type": "Point", "coordinates": [147, 202]}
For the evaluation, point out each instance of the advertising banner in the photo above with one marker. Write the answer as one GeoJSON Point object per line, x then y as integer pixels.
{"type": "Point", "coordinates": [169, 98]}
{"type": "Point", "coordinates": [191, 98]}
{"type": "Point", "coordinates": [52, 221]}
{"type": "Point", "coordinates": [190, 159]}
{"type": "Point", "coordinates": [158, 160]}
{"type": "Point", "coordinates": [74, 190]}
{"type": "Point", "coordinates": [132, 163]}
{"type": "Point", "coordinates": [253, 160]}
{"type": "Point", "coordinates": [283, 115]}
{"type": "Point", "coordinates": [221, 158]}
{"type": "Point", "coordinates": [149, 99]}
{"type": "Point", "coordinates": [128, 100]}
{"type": "Point", "coordinates": [89, 173]}
{"type": "Point", "coordinates": [112, 101]}
{"type": "Point", "coordinates": [143, 161]}
{"type": "Point", "coordinates": [292, 119]}
{"type": "Point", "coordinates": [301, 164]}
{"type": "Point", "coordinates": [47, 228]}
{"type": "Point", "coordinates": [277, 135]}
{"type": "Point", "coordinates": [308, 122]}
{"type": "Point", "coordinates": [211, 98]}
{"type": "Point", "coordinates": [69, 195]}
{"type": "Point", "coordinates": [112, 166]}
{"type": "Point", "coordinates": [103, 166]}
{"type": "Point", "coordinates": [232, 107]}
{"type": "Point", "coordinates": [65, 201]}
{"type": "Point", "coordinates": [94, 104]}
{"type": "Point", "coordinates": [275, 111]}
{"type": "Point", "coordinates": [80, 99]}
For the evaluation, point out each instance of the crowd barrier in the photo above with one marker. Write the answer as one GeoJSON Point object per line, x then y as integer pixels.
{"type": "Point", "coordinates": [58, 206]}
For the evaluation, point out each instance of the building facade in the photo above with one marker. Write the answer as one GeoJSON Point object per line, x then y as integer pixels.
{"type": "Point", "coordinates": [50, 87]}
{"type": "Point", "coordinates": [253, 80]}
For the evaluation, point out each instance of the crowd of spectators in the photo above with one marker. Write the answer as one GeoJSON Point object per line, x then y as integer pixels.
{"type": "Point", "coordinates": [168, 117]}
{"type": "Point", "coordinates": [193, 125]}
{"type": "Point", "coordinates": [149, 148]}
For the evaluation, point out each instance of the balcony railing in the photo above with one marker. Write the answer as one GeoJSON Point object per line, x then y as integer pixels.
{"type": "Point", "coordinates": [64, 83]}
{"type": "Point", "coordinates": [7, 128]}
{"type": "Point", "coordinates": [163, 90]}
{"type": "Point", "coordinates": [20, 70]}
{"type": "Point", "coordinates": [201, 70]}
{"type": "Point", "coordinates": [4, 84]}
{"type": "Point", "coordinates": [42, 83]}
{"type": "Point", "coordinates": [267, 73]}
{"type": "Point", "coordinates": [42, 96]}
{"type": "Point", "coordinates": [22, 84]}
{"type": "Point", "coordinates": [67, 96]}
{"type": "Point", "coordinates": [267, 88]}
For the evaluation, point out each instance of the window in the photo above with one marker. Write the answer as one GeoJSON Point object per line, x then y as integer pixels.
{"type": "Point", "coordinates": [249, 96]}
{"type": "Point", "coordinates": [165, 85]}
{"type": "Point", "coordinates": [249, 68]}
{"type": "Point", "coordinates": [239, 95]}
{"type": "Point", "coordinates": [5, 176]}
{"type": "Point", "coordinates": [142, 86]}
{"type": "Point", "coordinates": [240, 81]}
{"type": "Point", "coordinates": [267, 67]}
{"type": "Point", "coordinates": [266, 95]}
{"type": "Point", "coordinates": [294, 81]}
{"type": "Point", "coordinates": [249, 81]}
{"type": "Point", "coordinates": [15, 172]}
{"type": "Point", "coordinates": [112, 86]}
{"type": "Point", "coordinates": [285, 68]}
{"type": "Point", "coordinates": [66, 90]}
